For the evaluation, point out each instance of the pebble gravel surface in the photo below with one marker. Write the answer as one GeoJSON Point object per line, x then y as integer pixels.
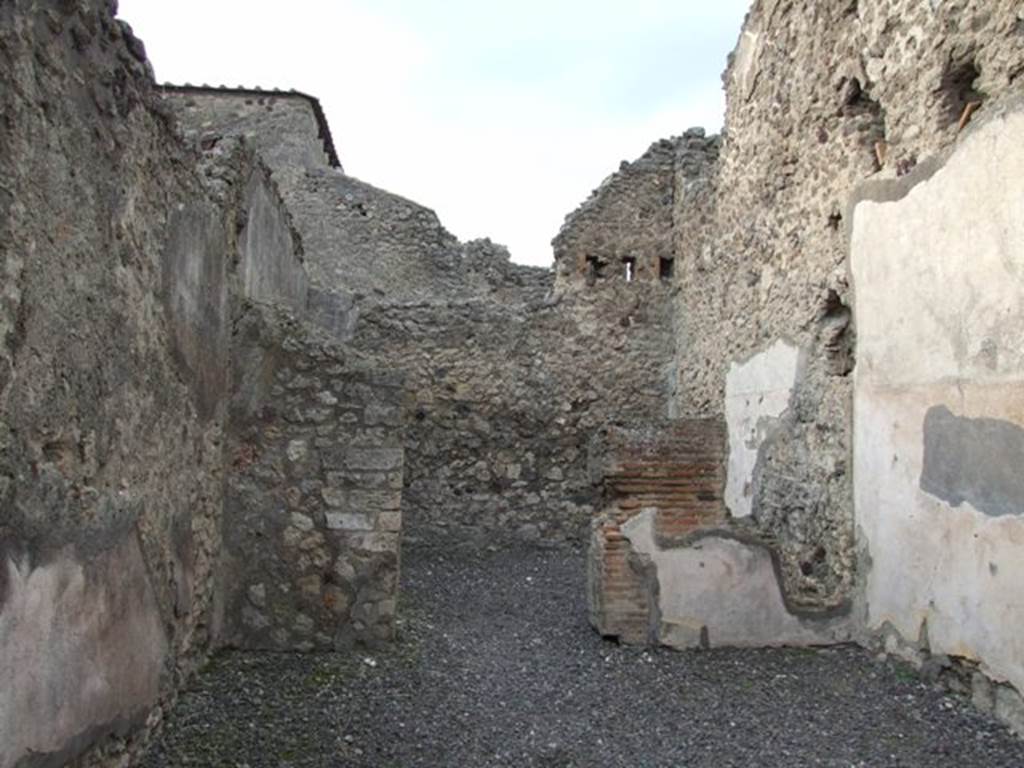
{"type": "Point", "coordinates": [496, 665]}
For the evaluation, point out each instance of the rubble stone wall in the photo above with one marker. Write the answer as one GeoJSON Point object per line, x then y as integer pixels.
{"type": "Point", "coordinates": [313, 509]}
{"type": "Point", "coordinates": [113, 375]}
{"type": "Point", "coordinates": [511, 372]}
{"type": "Point", "coordinates": [625, 230]}
{"type": "Point", "coordinates": [373, 244]}
{"type": "Point", "coordinates": [125, 255]}
{"type": "Point", "coordinates": [506, 397]}
{"type": "Point", "coordinates": [821, 97]}
{"type": "Point", "coordinates": [286, 127]}
{"type": "Point", "coordinates": [716, 281]}
{"type": "Point", "coordinates": [362, 244]}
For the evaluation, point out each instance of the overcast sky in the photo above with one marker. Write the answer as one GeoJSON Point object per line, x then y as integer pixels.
{"type": "Point", "coordinates": [501, 116]}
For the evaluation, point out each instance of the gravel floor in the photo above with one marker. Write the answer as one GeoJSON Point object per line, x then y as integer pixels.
{"type": "Point", "coordinates": [498, 666]}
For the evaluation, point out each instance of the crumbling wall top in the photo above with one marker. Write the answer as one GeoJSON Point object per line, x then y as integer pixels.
{"type": "Point", "coordinates": [260, 97]}
{"type": "Point", "coordinates": [624, 229]}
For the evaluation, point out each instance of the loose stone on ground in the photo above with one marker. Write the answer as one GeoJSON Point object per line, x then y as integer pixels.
{"type": "Point", "coordinates": [495, 665]}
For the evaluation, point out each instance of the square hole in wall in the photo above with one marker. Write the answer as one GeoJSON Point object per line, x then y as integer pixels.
{"type": "Point", "coordinates": [666, 267]}
{"type": "Point", "coordinates": [629, 264]}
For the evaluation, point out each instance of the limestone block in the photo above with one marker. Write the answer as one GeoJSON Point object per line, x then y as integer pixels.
{"type": "Point", "coordinates": [386, 500]}
{"type": "Point", "coordinates": [389, 521]}
{"type": "Point", "coordinates": [383, 414]}
{"type": "Point", "coordinates": [297, 450]}
{"type": "Point", "coordinates": [310, 585]}
{"type": "Point", "coordinates": [377, 459]}
{"type": "Point", "coordinates": [334, 497]}
{"type": "Point", "coordinates": [375, 542]}
{"type": "Point", "coordinates": [258, 595]}
{"type": "Point", "coordinates": [303, 624]}
{"type": "Point", "coordinates": [301, 522]}
{"type": "Point", "coordinates": [336, 600]}
{"type": "Point", "coordinates": [350, 521]}
{"type": "Point", "coordinates": [254, 619]}
{"type": "Point", "coordinates": [1009, 707]}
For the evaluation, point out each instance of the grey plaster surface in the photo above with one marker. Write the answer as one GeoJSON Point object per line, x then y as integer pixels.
{"type": "Point", "coordinates": [974, 460]}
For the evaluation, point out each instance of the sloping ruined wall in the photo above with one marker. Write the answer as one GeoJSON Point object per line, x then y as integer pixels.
{"type": "Point", "coordinates": [112, 375]}
{"type": "Point", "coordinates": [509, 379]}
{"type": "Point", "coordinates": [362, 244]}
{"type": "Point", "coordinates": [624, 229]}
{"type": "Point", "coordinates": [287, 128]}
{"type": "Point", "coordinates": [937, 261]}
{"type": "Point", "coordinates": [821, 97]}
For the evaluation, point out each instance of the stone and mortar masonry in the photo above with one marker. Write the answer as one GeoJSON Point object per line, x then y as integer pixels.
{"type": "Point", "coordinates": [511, 373]}
{"type": "Point", "coordinates": [122, 267]}
{"type": "Point", "coordinates": [820, 98]}
{"type": "Point", "coordinates": [626, 229]}
{"type": "Point", "coordinates": [111, 411]}
{"type": "Point", "coordinates": [313, 509]}
{"type": "Point", "coordinates": [124, 255]}
{"type": "Point", "coordinates": [506, 398]}
{"type": "Point", "coordinates": [363, 245]}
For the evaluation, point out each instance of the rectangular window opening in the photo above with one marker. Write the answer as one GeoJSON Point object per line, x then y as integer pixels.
{"type": "Point", "coordinates": [630, 265]}
{"type": "Point", "coordinates": [666, 268]}
{"type": "Point", "coordinates": [595, 269]}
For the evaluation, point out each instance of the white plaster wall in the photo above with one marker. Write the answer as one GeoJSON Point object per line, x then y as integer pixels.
{"type": "Point", "coordinates": [939, 282]}
{"type": "Point", "coordinates": [757, 392]}
{"type": "Point", "coordinates": [725, 587]}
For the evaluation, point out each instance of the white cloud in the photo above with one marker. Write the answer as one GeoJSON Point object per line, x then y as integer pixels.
{"type": "Point", "coordinates": [501, 117]}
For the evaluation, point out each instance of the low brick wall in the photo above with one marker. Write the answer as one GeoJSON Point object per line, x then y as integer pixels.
{"type": "Point", "coordinates": [676, 469]}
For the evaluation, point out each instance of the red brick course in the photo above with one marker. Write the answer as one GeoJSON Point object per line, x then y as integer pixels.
{"type": "Point", "coordinates": [676, 469]}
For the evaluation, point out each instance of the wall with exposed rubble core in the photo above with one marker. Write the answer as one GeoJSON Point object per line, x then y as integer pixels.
{"type": "Point", "coordinates": [113, 371]}
{"type": "Point", "coordinates": [827, 301]}
{"type": "Point", "coordinates": [511, 372]}
{"type": "Point", "coordinates": [625, 230]}
{"type": "Point", "coordinates": [125, 256]}
{"type": "Point", "coordinates": [287, 128]}
{"type": "Point", "coordinates": [822, 98]}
